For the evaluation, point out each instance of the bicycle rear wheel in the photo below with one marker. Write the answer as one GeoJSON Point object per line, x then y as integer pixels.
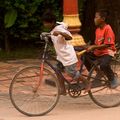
{"type": "Point", "coordinates": [101, 93]}
{"type": "Point", "coordinates": [28, 101]}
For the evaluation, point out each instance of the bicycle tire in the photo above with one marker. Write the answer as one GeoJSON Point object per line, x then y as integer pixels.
{"type": "Point", "coordinates": [22, 94]}
{"type": "Point", "coordinates": [101, 94]}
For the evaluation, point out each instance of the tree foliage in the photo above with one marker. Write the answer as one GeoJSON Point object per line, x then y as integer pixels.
{"type": "Point", "coordinates": [10, 18]}
{"type": "Point", "coordinates": [21, 19]}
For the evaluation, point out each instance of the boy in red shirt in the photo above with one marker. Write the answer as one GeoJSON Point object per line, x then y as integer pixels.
{"type": "Point", "coordinates": [104, 47]}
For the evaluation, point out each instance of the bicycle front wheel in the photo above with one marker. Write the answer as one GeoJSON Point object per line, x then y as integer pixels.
{"type": "Point", "coordinates": [33, 102]}
{"type": "Point", "coordinates": [101, 93]}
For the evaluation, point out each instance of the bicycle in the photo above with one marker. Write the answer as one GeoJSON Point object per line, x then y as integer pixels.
{"type": "Point", "coordinates": [35, 90]}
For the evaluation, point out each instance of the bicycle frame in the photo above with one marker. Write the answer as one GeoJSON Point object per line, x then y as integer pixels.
{"type": "Point", "coordinates": [25, 95]}
{"type": "Point", "coordinates": [44, 59]}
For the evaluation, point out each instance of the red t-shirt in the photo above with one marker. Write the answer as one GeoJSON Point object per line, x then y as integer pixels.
{"type": "Point", "coordinates": [105, 36]}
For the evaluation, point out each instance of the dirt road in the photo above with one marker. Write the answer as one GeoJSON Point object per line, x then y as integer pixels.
{"type": "Point", "coordinates": [81, 108]}
{"type": "Point", "coordinates": [67, 109]}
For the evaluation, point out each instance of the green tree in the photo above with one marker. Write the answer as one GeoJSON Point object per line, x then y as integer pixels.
{"type": "Point", "coordinates": [22, 20]}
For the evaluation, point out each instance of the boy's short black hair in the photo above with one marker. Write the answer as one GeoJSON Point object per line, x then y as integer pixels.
{"type": "Point", "coordinates": [49, 17]}
{"type": "Point", "coordinates": [103, 13]}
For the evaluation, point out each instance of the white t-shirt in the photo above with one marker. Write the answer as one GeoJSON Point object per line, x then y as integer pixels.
{"type": "Point", "coordinates": [65, 52]}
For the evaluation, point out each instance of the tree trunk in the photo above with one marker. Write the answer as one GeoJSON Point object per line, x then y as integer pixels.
{"type": "Point", "coordinates": [88, 27]}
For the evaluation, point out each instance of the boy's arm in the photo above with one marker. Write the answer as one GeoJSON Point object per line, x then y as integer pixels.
{"type": "Point", "coordinates": [93, 47]}
{"type": "Point", "coordinates": [65, 35]}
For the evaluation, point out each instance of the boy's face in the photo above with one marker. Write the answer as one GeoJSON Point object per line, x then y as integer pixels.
{"type": "Point", "coordinates": [98, 19]}
{"type": "Point", "coordinates": [48, 24]}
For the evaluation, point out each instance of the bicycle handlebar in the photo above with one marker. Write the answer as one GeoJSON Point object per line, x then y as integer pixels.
{"type": "Point", "coordinates": [45, 34]}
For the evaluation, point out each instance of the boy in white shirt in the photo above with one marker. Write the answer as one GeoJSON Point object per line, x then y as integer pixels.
{"type": "Point", "coordinates": [65, 51]}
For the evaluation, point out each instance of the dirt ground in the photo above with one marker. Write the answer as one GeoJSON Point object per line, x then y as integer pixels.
{"type": "Point", "coordinates": [68, 108]}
